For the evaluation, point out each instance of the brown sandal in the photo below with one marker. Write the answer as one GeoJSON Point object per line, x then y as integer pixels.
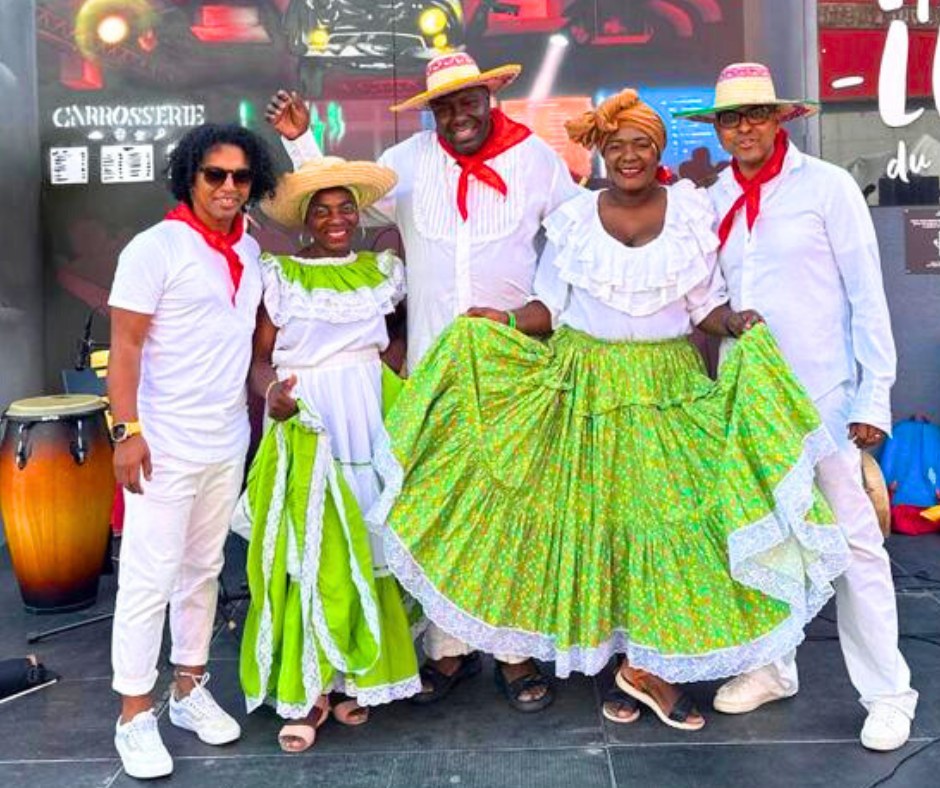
{"type": "Point", "coordinates": [347, 711]}
{"type": "Point", "coordinates": [676, 717]}
{"type": "Point", "coordinates": [304, 731]}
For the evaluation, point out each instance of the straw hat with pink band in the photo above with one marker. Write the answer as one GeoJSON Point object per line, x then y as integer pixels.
{"type": "Point", "coordinates": [457, 71]}
{"type": "Point", "coordinates": [747, 85]}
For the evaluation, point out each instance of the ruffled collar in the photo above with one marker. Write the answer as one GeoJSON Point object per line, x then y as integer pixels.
{"type": "Point", "coordinates": [636, 280]}
{"type": "Point", "coordinates": [338, 290]}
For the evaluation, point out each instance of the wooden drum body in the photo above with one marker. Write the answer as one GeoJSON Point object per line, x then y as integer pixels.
{"type": "Point", "coordinates": [56, 491]}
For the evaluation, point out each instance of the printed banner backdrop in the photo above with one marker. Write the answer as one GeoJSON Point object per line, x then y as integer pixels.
{"type": "Point", "coordinates": [121, 80]}
{"type": "Point", "coordinates": [879, 117]}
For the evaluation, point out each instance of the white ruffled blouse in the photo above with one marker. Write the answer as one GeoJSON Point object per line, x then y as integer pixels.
{"type": "Point", "coordinates": [316, 324]}
{"type": "Point", "coordinates": [592, 282]}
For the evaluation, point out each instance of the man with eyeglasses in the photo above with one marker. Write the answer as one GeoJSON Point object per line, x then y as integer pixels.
{"type": "Point", "coordinates": [183, 306]}
{"type": "Point", "coordinates": [799, 246]}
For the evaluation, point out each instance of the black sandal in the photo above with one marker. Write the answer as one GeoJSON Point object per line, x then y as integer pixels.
{"type": "Point", "coordinates": [514, 689]}
{"type": "Point", "coordinates": [617, 697]}
{"type": "Point", "coordinates": [441, 683]}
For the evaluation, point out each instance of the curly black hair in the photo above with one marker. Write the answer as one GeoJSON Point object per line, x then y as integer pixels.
{"type": "Point", "coordinates": [187, 157]}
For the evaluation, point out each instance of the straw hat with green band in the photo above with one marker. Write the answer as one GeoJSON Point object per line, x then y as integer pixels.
{"type": "Point", "coordinates": [457, 71]}
{"type": "Point", "coordinates": [747, 85]}
{"type": "Point", "coordinates": [366, 180]}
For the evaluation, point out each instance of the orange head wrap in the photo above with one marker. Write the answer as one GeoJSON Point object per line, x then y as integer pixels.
{"type": "Point", "coordinates": [594, 128]}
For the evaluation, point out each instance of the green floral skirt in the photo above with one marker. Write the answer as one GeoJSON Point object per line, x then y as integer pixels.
{"type": "Point", "coordinates": [319, 619]}
{"type": "Point", "coordinates": [572, 499]}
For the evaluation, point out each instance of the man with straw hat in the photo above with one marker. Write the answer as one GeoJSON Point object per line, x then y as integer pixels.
{"type": "Point", "coordinates": [799, 246]}
{"type": "Point", "coordinates": [470, 200]}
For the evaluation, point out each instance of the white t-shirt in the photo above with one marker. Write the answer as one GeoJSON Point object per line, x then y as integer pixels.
{"type": "Point", "coordinates": [192, 395]}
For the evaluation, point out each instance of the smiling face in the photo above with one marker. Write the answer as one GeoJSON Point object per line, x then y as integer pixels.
{"type": "Point", "coordinates": [750, 143]}
{"type": "Point", "coordinates": [631, 159]}
{"type": "Point", "coordinates": [463, 118]}
{"type": "Point", "coordinates": [332, 218]}
{"type": "Point", "coordinates": [216, 205]}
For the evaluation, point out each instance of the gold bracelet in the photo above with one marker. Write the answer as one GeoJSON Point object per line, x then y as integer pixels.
{"type": "Point", "coordinates": [271, 385]}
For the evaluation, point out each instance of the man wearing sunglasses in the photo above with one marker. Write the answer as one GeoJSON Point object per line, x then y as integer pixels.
{"type": "Point", "coordinates": [799, 246]}
{"type": "Point", "coordinates": [183, 307]}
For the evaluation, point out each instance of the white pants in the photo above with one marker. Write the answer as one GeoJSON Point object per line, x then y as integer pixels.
{"type": "Point", "coordinates": [438, 644]}
{"type": "Point", "coordinates": [171, 553]}
{"type": "Point", "coordinates": [865, 603]}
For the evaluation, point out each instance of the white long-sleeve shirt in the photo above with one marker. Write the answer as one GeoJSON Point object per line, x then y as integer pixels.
{"type": "Point", "coordinates": [452, 265]}
{"type": "Point", "coordinates": [811, 267]}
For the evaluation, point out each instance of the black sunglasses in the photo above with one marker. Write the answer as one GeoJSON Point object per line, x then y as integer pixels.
{"type": "Point", "coordinates": [756, 116]}
{"type": "Point", "coordinates": [216, 176]}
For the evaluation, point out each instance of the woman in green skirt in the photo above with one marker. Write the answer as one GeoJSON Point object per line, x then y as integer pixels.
{"type": "Point", "coordinates": [325, 613]}
{"type": "Point", "coordinates": [597, 493]}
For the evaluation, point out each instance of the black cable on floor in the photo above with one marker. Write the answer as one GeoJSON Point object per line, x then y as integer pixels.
{"type": "Point", "coordinates": [910, 756]}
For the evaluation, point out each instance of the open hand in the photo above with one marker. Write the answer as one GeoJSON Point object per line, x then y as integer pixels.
{"type": "Point", "coordinates": [288, 113]}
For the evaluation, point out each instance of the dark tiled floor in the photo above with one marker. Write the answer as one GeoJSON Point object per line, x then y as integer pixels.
{"type": "Point", "coordinates": [62, 736]}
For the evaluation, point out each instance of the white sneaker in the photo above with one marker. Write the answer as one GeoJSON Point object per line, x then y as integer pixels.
{"type": "Point", "coordinates": [198, 712]}
{"type": "Point", "coordinates": [752, 690]}
{"type": "Point", "coordinates": [141, 749]}
{"type": "Point", "coordinates": [886, 728]}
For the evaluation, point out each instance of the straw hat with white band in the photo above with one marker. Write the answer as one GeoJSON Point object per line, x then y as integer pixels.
{"type": "Point", "coordinates": [458, 71]}
{"type": "Point", "coordinates": [749, 84]}
{"type": "Point", "coordinates": [367, 181]}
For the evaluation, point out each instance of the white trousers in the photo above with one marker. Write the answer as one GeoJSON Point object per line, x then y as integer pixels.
{"type": "Point", "coordinates": [438, 644]}
{"type": "Point", "coordinates": [171, 553]}
{"type": "Point", "coordinates": [865, 602]}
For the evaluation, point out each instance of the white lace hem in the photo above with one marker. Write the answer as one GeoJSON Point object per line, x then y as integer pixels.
{"type": "Point", "coordinates": [793, 498]}
{"type": "Point", "coordinates": [384, 693]}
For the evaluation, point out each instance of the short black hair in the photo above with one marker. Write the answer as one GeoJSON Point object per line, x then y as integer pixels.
{"type": "Point", "coordinates": [188, 155]}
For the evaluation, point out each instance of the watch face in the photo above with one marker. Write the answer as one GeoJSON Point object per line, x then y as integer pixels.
{"type": "Point", "coordinates": [118, 432]}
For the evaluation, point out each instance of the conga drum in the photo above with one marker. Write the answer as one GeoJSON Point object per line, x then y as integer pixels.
{"type": "Point", "coordinates": [56, 491]}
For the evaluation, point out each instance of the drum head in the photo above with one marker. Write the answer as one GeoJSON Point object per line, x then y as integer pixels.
{"type": "Point", "coordinates": [55, 406]}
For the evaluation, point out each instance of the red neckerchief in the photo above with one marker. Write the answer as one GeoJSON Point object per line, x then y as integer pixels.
{"type": "Point", "coordinates": [751, 194]}
{"type": "Point", "coordinates": [505, 133]}
{"type": "Point", "coordinates": [221, 242]}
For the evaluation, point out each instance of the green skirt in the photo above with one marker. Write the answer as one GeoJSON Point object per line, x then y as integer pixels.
{"type": "Point", "coordinates": [318, 620]}
{"type": "Point", "coordinates": [578, 498]}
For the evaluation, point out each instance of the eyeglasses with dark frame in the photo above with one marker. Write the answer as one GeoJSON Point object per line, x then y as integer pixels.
{"type": "Point", "coordinates": [216, 176]}
{"type": "Point", "coordinates": [757, 116]}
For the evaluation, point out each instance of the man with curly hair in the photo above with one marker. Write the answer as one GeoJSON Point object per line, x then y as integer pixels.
{"type": "Point", "coordinates": [183, 306]}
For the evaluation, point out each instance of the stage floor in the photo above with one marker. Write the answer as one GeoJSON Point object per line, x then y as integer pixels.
{"type": "Point", "coordinates": [62, 736]}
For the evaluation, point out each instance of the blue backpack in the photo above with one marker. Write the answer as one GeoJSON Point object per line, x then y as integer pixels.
{"type": "Point", "coordinates": [910, 462]}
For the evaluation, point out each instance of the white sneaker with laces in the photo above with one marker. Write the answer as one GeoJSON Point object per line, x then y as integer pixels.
{"type": "Point", "coordinates": [886, 728]}
{"type": "Point", "coordinates": [751, 690]}
{"type": "Point", "coordinates": [141, 749]}
{"type": "Point", "coordinates": [198, 712]}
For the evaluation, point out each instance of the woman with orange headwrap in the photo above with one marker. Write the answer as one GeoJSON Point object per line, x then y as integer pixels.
{"type": "Point", "coordinates": [597, 493]}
